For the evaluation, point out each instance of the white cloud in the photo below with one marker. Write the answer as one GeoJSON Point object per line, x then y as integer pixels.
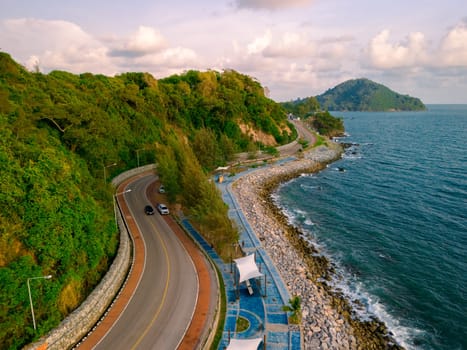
{"type": "Point", "coordinates": [62, 45]}
{"type": "Point", "coordinates": [38, 33]}
{"type": "Point", "coordinates": [259, 43]}
{"type": "Point", "coordinates": [292, 64]}
{"type": "Point", "coordinates": [77, 59]}
{"type": "Point", "coordinates": [296, 46]}
{"type": "Point", "coordinates": [416, 55]}
{"type": "Point", "coordinates": [421, 67]}
{"type": "Point", "coordinates": [291, 45]}
{"type": "Point", "coordinates": [54, 45]}
{"type": "Point", "coordinates": [171, 58]}
{"type": "Point", "coordinates": [270, 4]}
{"type": "Point", "coordinates": [385, 55]}
{"type": "Point", "coordinates": [146, 40]}
{"type": "Point", "coordinates": [453, 49]}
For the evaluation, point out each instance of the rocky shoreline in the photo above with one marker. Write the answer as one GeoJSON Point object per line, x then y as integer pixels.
{"type": "Point", "coordinates": [328, 321]}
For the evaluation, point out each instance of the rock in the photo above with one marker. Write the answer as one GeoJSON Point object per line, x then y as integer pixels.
{"type": "Point", "coordinates": [304, 270]}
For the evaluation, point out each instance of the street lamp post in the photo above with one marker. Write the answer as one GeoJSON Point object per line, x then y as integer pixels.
{"type": "Point", "coordinates": [137, 155]}
{"type": "Point", "coordinates": [105, 167]}
{"type": "Point", "coordinates": [30, 298]}
{"type": "Point", "coordinates": [115, 204]}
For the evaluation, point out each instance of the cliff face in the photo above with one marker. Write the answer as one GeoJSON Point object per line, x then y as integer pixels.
{"type": "Point", "coordinates": [366, 95]}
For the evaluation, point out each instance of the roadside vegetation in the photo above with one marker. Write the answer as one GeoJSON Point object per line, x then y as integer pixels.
{"type": "Point", "coordinates": [64, 136]}
{"type": "Point", "coordinates": [310, 112]}
{"type": "Point", "coordinates": [185, 182]}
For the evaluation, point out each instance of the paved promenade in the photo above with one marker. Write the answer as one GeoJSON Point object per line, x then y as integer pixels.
{"type": "Point", "coordinates": [263, 309]}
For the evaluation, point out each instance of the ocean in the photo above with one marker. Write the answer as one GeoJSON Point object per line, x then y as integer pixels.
{"type": "Point", "coordinates": [392, 216]}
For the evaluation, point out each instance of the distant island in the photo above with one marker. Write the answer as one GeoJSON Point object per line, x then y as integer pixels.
{"type": "Point", "coordinates": [366, 95]}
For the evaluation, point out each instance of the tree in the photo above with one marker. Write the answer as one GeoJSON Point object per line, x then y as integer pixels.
{"type": "Point", "coordinates": [327, 125]}
{"type": "Point", "coordinates": [227, 148]}
{"type": "Point", "coordinates": [168, 170]}
{"type": "Point", "coordinates": [302, 108]}
{"type": "Point", "coordinates": [295, 309]}
{"type": "Point", "coordinates": [206, 149]}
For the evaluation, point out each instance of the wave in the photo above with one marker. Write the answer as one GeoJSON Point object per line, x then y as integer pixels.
{"type": "Point", "coordinates": [352, 156]}
{"type": "Point", "coordinates": [367, 306]}
{"type": "Point", "coordinates": [345, 280]}
{"type": "Point", "coordinates": [310, 188]}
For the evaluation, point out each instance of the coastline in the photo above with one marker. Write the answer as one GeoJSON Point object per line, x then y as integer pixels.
{"type": "Point", "coordinates": [328, 321]}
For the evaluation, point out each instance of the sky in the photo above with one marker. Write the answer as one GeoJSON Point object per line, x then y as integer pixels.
{"type": "Point", "coordinates": [295, 48]}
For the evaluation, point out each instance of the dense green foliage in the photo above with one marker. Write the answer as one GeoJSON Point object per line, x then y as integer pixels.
{"type": "Point", "coordinates": [326, 124]}
{"type": "Point", "coordinates": [63, 136]}
{"type": "Point", "coordinates": [366, 95]}
{"type": "Point", "coordinates": [222, 103]}
{"type": "Point", "coordinates": [302, 107]}
{"type": "Point", "coordinates": [183, 178]}
{"type": "Point", "coordinates": [310, 111]}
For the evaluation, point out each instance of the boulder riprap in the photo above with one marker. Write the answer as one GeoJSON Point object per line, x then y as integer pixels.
{"type": "Point", "coordinates": [328, 321]}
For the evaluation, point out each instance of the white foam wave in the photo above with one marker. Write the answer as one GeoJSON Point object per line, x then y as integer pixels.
{"type": "Point", "coordinates": [291, 215]}
{"type": "Point", "coordinates": [351, 156]}
{"type": "Point", "coordinates": [309, 187]}
{"type": "Point", "coordinates": [401, 333]}
{"type": "Point", "coordinates": [365, 305]}
{"type": "Point", "coordinates": [339, 138]}
{"type": "Point", "coordinates": [306, 175]}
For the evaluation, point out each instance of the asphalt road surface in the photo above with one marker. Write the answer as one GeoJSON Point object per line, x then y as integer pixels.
{"type": "Point", "coordinates": [160, 311]}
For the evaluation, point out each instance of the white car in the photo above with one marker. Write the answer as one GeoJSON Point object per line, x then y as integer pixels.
{"type": "Point", "coordinates": [162, 209]}
{"type": "Point", "coordinates": [161, 189]}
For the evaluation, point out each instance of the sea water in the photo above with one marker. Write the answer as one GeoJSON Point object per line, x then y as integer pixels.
{"type": "Point", "coordinates": [392, 216]}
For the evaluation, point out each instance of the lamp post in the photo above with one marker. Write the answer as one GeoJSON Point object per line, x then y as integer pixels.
{"type": "Point", "coordinates": [105, 167]}
{"type": "Point", "coordinates": [115, 204]}
{"type": "Point", "coordinates": [137, 155]}
{"type": "Point", "coordinates": [231, 258]}
{"type": "Point", "coordinates": [30, 298]}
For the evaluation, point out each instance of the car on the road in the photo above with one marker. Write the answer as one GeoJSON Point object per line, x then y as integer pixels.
{"type": "Point", "coordinates": [161, 189]}
{"type": "Point", "coordinates": [162, 208]}
{"type": "Point", "coordinates": [148, 210]}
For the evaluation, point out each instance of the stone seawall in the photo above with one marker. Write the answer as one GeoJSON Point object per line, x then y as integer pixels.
{"type": "Point", "coordinates": [76, 325]}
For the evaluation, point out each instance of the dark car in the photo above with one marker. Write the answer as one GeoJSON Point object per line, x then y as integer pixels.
{"type": "Point", "coordinates": [148, 210]}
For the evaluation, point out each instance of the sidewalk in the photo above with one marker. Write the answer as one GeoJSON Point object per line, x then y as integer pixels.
{"type": "Point", "coordinates": [263, 309]}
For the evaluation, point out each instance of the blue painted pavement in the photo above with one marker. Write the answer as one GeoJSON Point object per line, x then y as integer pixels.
{"type": "Point", "coordinates": [263, 309]}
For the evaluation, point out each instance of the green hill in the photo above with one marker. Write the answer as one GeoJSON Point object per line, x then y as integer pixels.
{"type": "Point", "coordinates": [59, 132]}
{"type": "Point", "coordinates": [366, 95]}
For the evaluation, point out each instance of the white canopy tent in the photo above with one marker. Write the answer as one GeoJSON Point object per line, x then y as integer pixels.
{"type": "Point", "coordinates": [244, 344]}
{"type": "Point", "coordinates": [247, 268]}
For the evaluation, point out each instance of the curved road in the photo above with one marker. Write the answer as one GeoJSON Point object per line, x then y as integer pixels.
{"type": "Point", "coordinates": [160, 311]}
{"type": "Point", "coordinates": [304, 132]}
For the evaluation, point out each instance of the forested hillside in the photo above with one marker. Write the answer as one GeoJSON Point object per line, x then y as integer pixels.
{"type": "Point", "coordinates": [311, 112]}
{"type": "Point", "coordinates": [63, 136]}
{"type": "Point", "coordinates": [366, 95]}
